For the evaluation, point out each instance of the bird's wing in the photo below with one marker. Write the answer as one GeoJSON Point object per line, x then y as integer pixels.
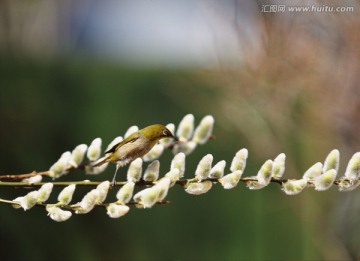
{"type": "Point", "coordinates": [129, 139]}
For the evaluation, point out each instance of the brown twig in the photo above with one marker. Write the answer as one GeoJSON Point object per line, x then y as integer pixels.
{"type": "Point", "coordinates": [23, 176]}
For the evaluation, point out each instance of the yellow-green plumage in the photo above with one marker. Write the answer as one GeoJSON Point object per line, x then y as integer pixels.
{"type": "Point", "coordinates": [136, 145]}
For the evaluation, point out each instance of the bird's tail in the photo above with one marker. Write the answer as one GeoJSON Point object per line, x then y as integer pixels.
{"type": "Point", "coordinates": [100, 162]}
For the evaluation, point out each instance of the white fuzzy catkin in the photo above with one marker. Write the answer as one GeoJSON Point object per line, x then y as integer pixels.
{"type": "Point", "coordinates": [332, 161]}
{"type": "Point", "coordinates": [239, 161]}
{"type": "Point", "coordinates": [125, 193]}
{"type": "Point", "coordinates": [217, 171]}
{"type": "Point", "coordinates": [178, 162]}
{"type": "Point", "coordinates": [313, 172]}
{"type": "Point", "coordinates": [346, 184]}
{"type": "Point", "coordinates": [204, 130]}
{"type": "Point", "coordinates": [154, 153]}
{"type": "Point", "coordinates": [163, 185]}
{"type": "Point", "coordinates": [58, 214]}
{"type": "Point", "coordinates": [254, 184]}
{"type": "Point", "coordinates": [231, 180]}
{"type": "Point", "coordinates": [152, 171]}
{"type": "Point", "coordinates": [148, 197]}
{"type": "Point", "coordinates": [33, 179]}
{"type": "Point", "coordinates": [264, 174]}
{"type": "Point", "coordinates": [197, 188]}
{"type": "Point", "coordinates": [186, 128]}
{"type": "Point", "coordinates": [59, 168]}
{"type": "Point", "coordinates": [130, 131]}
{"type": "Point", "coordinates": [44, 192]}
{"type": "Point", "coordinates": [326, 180]}
{"type": "Point", "coordinates": [353, 167]}
{"type": "Point", "coordinates": [187, 147]}
{"type": "Point", "coordinates": [66, 194]}
{"type": "Point", "coordinates": [135, 170]}
{"type": "Point", "coordinates": [94, 150]}
{"type": "Point", "coordinates": [103, 189]}
{"type": "Point", "coordinates": [173, 175]}
{"type": "Point", "coordinates": [114, 142]}
{"type": "Point", "coordinates": [77, 155]}
{"type": "Point", "coordinates": [204, 167]}
{"type": "Point", "coordinates": [29, 200]}
{"type": "Point", "coordinates": [115, 211]}
{"type": "Point", "coordinates": [278, 166]}
{"type": "Point", "coordinates": [294, 187]}
{"type": "Point", "coordinates": [88, 202]}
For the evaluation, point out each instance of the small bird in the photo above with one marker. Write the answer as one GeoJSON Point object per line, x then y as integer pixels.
{"type": "Point", "coordinates": [135, 146]}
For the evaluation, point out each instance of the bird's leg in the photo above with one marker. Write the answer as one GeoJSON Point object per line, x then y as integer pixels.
{"type": "Point", "coordinates": [114, 178]}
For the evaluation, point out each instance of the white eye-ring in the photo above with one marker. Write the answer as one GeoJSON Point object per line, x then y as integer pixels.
{"type": "Point", "coordinates": [165, 132]}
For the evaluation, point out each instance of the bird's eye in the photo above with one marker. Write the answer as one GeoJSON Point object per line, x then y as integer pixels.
{"type": "Point", "coordinates": [165, 132]}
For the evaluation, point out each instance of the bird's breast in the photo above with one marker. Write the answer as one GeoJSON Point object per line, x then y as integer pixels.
{"type": "Point", "coordinates": [132, 150]}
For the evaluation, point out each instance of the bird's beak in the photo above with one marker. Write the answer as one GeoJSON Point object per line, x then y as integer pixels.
{"type": "Point", "coordinates": [176, 139]}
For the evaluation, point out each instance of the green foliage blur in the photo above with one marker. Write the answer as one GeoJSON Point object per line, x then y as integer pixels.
{"type": "Point", "coordinates": [50, 107]}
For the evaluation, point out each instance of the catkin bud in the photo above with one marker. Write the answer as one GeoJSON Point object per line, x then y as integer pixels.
{"type": "Point", "coordinates": [57, 214]}
{"type": "Point", "coordinates": [103, 189]}
{"type": "Point", "coordinates": [239, 161]}
{"type": "Point", "coordinates": [115, 211]}
{"type": "Point", "coordinates": [29, 200]}
{"type": "Point", "coordinates": [173, 175]}
{"type": "Point", "coordinates": [254, 184]}
{"type": "Point", "coordinates": [135, 170]}
{"type": "Point", "coordinates": [348, 185]}
{"type": "Point", "coordinates": [17, 202]}
{"type": "Point", "coordinates": [231, 180]}
{"type": "Point", "coordinates": [184, 146]}
{"type": "Point", "coordinates": [147, 197]}
{"type": "Point", "coordinates": [91, 170]}
{"type": "Point", "coordinates": [77, 155]}
{"type": "Point", "coordinates": [88, 202]}
{"type": "Point", "coordinates": [44, 192]}
{"type": "Point", "coordinates": [278, 166]}
{"type": "Point", "coordinates": [152, 171]}
{"type": "Point", "coordinates": [204, 167]}
{"type": "Point", "coordinates": [94, 150]}
{"type": "Point", "coordinates": [332, 161]}
{"type": "Point", "coordinates": [59, 168]}
{"type": "Point", "coordinates": [33, 179]}
{"type": "Point", "coordinates": [313, 172]}
{"type": "Point", "coordinates": [125, 193]}
{"type": "Point", "coordinates": [294, 187]}
{"type": "Point", "coordinates": [326, 180]}
{"type": "Point", "coordinates": [163, 185]}
{"type": "Point", "coordinates": [114, 142]}
{"type": "Point", "coordinates": [186, 128]}
{"type": "Point", "coordinates": [154, 153]}
{"type": "Point", "coordinates": [204, 130]}
{"type": "Point", "coordinates": [197, 188]}
{"type": "Point", "coordinates": [353, 167]}
{"type": "Point", "coordinates": [66, 194]}
{"type": "Point", "coordinates": [178, 162]}
{"type": "Point", "coordinates": [264, 174]}
{"type": "Point", "coordinates": [131, 130]}
{"type": "Point", "coordinates": [217, 171]}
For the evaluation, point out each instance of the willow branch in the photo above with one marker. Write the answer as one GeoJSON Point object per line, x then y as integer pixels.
{"type": "Point", "coordinates": [141, 183]}
{"type": "Point", "coordinates": [72, 207]}
{"type": "Point", "coordinates": [45, 173]}
{"type": "Point", "coordinates": [23, 176]}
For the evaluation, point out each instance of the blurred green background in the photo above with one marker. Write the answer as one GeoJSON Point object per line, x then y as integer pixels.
{"type": "Point", "coordinates": [291, 85]}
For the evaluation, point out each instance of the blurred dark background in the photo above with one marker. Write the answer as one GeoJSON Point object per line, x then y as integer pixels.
{"type": "Point", "coordinates": [71, 71]}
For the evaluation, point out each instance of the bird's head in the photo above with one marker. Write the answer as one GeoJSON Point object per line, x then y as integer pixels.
{"type": "Point", "coordinates": [157, 132]}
